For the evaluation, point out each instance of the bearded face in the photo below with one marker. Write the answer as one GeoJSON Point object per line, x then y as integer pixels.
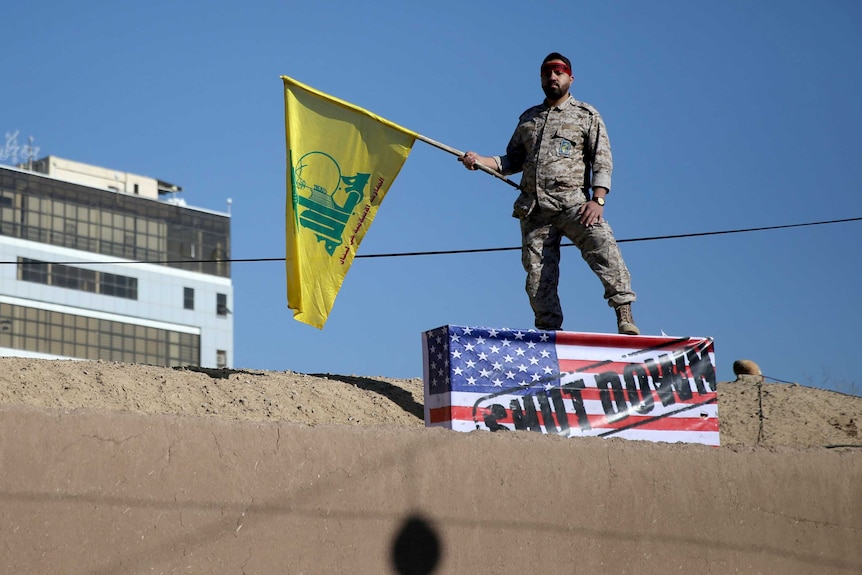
{"type": "Point", "coordinates": [555, 81]}
{"type": "Point", "coordinates": [553, 90]}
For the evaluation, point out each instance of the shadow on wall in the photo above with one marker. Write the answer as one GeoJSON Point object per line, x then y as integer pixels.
{"type": "Point", "coordinates": [416, 548]}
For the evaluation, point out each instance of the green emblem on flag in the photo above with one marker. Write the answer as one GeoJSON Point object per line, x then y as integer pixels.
{"type": "Point", "coordinates": [325, 198]}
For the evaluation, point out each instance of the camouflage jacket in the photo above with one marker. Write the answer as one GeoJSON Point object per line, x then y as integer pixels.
{"type": "Point", "coordinates": [562, 152]}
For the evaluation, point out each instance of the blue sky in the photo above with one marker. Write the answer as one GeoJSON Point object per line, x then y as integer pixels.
{"type": "Point", "coordinates": [722, 115]}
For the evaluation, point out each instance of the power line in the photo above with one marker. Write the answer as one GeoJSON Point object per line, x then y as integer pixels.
{"type": "Point", "coordinates": [645, 239]}
{"type": "Point", "coordinates": [473, 251]}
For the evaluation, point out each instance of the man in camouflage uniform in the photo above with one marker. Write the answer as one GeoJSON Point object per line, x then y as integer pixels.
{"type": "Point", "coordinates": [562, 148]}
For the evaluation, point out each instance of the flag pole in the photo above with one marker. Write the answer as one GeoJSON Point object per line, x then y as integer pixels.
{"type": "Point", "coordinates": [460, 154]}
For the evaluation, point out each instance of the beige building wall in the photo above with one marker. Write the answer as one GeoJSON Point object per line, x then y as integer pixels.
{"type": "Point", "coordinates": [97, 177]}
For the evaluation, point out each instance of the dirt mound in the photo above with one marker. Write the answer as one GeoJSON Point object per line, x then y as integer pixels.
{"type": "Point", "coordinates": [751, 413]}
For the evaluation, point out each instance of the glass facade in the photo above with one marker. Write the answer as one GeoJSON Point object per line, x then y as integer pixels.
{"type": "Point", "coordinates": [69, 335]}
{"type": "Point", "coordinates": [37, 208]}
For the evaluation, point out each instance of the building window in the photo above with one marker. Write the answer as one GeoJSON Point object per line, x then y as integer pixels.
{"type": "Point", "coordinates": [57, 333]}
{"type": "Point", "coordinates": [32, 271]}
{"type": "Point", "coordinates": [73, 278]}
{"type": "Point", "coordinates": [118, 286]}
{"type": "Point", "coordinates": [188, 298]}
{"type": "Point", "coordinates": [221, 304]}
{"type": "Point", "coordinates": [70, 277]}
{"type": "Point", "coordinates": [221, 358]}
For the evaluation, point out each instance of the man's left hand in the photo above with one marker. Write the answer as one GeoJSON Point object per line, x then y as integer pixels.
{"type": "Point", "coordinates": [591, 213]}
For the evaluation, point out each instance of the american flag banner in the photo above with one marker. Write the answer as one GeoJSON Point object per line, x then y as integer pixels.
{"type": "Point", "coordinates": [571, 384]}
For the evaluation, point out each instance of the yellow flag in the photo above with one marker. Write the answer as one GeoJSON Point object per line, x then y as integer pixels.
{"type": "Point", "coordinates": [341, 162]}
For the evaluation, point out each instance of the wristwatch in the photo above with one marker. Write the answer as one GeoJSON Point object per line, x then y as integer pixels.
{"type": "Point", "coordinates": [599, 200]}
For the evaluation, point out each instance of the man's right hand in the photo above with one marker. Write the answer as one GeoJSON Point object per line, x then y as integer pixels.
{"type": "Point", "coordinates": [469, 159]}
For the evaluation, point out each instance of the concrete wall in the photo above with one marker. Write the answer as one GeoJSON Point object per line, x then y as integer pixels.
{"type": "Point", "coordinates": [110, 493]}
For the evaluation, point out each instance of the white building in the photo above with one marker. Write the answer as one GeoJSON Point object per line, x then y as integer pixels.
{"type": "Point", "coordinates": [101, 264]}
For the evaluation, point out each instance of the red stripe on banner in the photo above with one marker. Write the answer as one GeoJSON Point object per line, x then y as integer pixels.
{"type": "Point", "coordinates": [442, 414]}
{"type": "Point", "coordinates": [658, 424]}
{"type": "Point", "coordinates": [632, 342]}
{"type": "Point", "coordinates": [661, 423]}
{"type": "Point", "coordinates": [593, 366]}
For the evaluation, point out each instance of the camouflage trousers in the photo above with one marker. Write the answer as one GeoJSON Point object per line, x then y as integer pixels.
{"type": "Point", "coordinates": [540, 255]}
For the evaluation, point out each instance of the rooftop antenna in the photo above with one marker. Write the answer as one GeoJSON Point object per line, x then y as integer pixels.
{"type": "Point", "coordinates": [30, 153]}
{"type": "Point", "coordinates": [229, 202]}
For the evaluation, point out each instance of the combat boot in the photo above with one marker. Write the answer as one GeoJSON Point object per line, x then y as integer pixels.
{"type": "Point", "coordinates": [625, 322]}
